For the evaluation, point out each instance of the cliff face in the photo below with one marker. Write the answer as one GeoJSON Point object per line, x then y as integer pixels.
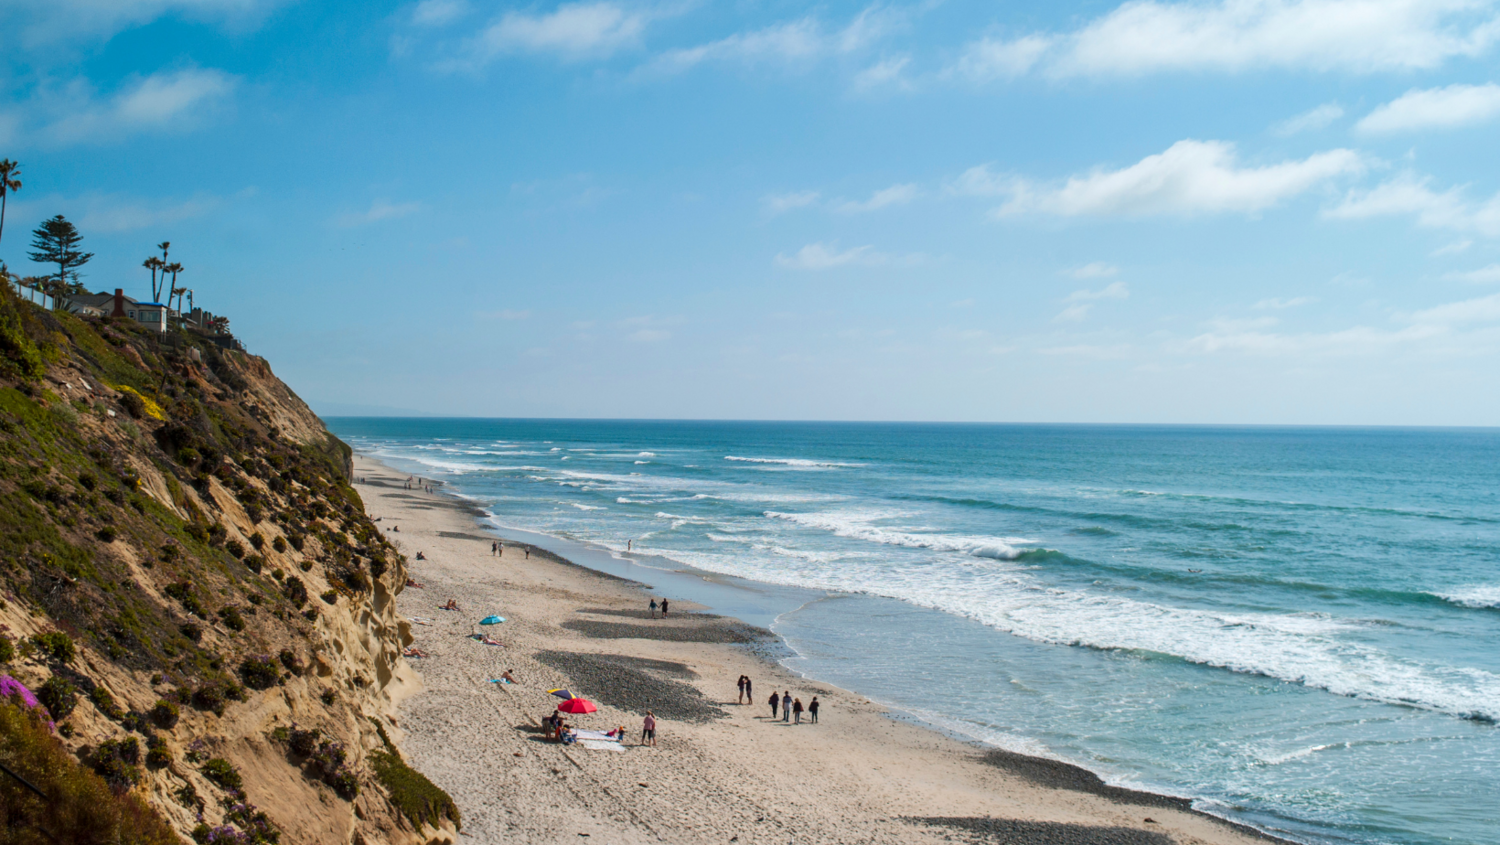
{"type": "Point", "coordinates": [195, 591]}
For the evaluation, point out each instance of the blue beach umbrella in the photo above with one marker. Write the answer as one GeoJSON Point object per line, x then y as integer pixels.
{"type": "Point", "coordinates": [492, 620]}
{"type": "Point", "coordinates": [561, 693]}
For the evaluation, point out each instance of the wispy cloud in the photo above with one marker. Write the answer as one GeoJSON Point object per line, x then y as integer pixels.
{"type": "Point", "coordinates": [822, 256]}
{"type": "Point", "coordinates": [780, 203]}
{"type": "Point", "coordinates": [885, 74]}
{"type": "Point", "coordinates": [1309, 121]}
{"type": "Point", "coordinates": [826, 256]}
{"type": "Point", "coordinates": [793, 43]}
{"type": "Point", "coordinates": [1359, 36]}
{"type": "Point", "coordinates": [572, 32]}
{"type": "Point", "coordinates": [1081, 301]}
{"type": "Point", "coordinates": [883, 198]}
{"type": "Point", "coordinates": [1094, 270]}
{"type": "Point", "coordinates": [74, 113]}
{"type": "Point", "coordinates": [40, 23]}
{"type": "Point", "coordinates": [1483, 276]}
{"type": "Point", "coordinates": [439, 12]}
{"type": "Point", "coordinates": [380, 209]}
{"type": "Point", "coordinates": [1452, 249]}
{"type": "Point", "coordinates": [1409, 194]}
{"type": "Point", "coordinates": [989, 59]}
{"type": "Point", "coordinates": [1279, 304]}
{"type": "Point", "coordinates": [1434, 108]}
{"type": "Point", "coordinates": [1191, 177]}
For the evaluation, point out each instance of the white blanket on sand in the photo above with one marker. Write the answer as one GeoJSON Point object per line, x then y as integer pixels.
{"type": "Point", "coordinates": [598, 745]}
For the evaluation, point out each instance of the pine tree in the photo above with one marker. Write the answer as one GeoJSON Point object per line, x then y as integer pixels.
{"type": "Point", "coordinates": [56, 242]}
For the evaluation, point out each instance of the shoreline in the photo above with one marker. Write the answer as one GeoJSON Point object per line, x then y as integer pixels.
{"type": "Point", "coordinates": [1064, 802]}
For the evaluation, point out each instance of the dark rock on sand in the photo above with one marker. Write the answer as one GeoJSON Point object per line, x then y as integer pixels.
{"type": "Point", "coordinates": [633, 684]}
{"type": "Point", "coordinates": [709, 631]}
{"type": "Point", "coordinates": [1058, 775]}
{"type": "Point", "coordinates": [1014, 832]}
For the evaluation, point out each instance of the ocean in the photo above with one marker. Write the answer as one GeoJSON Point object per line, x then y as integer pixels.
{"type": "Point", "coordinates": [1299, 628]}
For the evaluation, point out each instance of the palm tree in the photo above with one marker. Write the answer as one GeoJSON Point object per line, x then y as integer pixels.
{"type": "Point", "coordinates": [10, 172]}
{"type": "Point", "coordinates": [174, 268]}
{"type": "Point", "coordinates": [153, 264]}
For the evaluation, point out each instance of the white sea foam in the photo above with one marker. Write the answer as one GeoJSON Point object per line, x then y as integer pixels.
{"type": "Point", "coordinates": [645, 454]}
{"type": "Point", "coordinates": [584, 507]}
{"type": "Point", "coordinates": [856, 525]}
{"type": "Point", "coordinates": [799, 463]}
{"type": "Point", "coordinates": [1477, 595]}
{"type": "Point", "coordinates": [638, 463]}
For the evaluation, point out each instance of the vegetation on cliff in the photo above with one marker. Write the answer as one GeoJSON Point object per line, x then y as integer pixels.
{"type": "Point", "coordinates": [167, 507]}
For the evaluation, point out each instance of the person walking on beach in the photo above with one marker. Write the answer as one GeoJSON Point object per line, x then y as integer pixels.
{"type": "Point", "coordinates": [742, 690]}
{"type": "Point", "coordinates": [775, 700]}
{"type": "Point", "coordinates": [648, 729]}
{"type": "Point", "coordinates": [653, 607]}
{"type": "Point", "coordinates": [812, 710]}
{"type": "Point", "coordinates": [797, 710]}
{"type": "Point", "coordinates": [664, 608]}
{"type": "Point", "coordinates": [492, 548]}
{"type": "Point", "coordinates": [786, 706]}
{"type": "Point", "coordinates": [749, 693]}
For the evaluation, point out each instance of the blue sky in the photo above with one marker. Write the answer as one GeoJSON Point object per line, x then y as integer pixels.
{"type": "Point", "coordinates": [1246, 211]}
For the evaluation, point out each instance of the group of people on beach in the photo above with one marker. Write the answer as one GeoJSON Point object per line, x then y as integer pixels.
{"type": "Point", "coordinates": [791, 709]}
{"type": "Point", "coordinates": [497, 549]}
{"type": "Point", "coordinates": [662, 606]}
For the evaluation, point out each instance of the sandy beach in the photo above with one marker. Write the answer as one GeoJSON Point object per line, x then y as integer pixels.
{"type": "Point", "coordinates": [720, 771]}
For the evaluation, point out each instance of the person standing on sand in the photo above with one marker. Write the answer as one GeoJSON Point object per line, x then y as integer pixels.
{"type": "Point", "coordinates": [492, 548]}
{"type": "Point", "coordinates": [742, 690]}
{"type": "Point", "coordinates": [664, 608]}
{"type": "Point", "coordinates": [648, 729]}
{"type": "Point", "coordinates": [653, 607]}
{"type": "Point", "coordinates": [786, 706]}
{"type": "Point", "coordinates": [797, 710]}
{"type": "Point", "coordinates": [749, 693]}
{"type": "Point", "coordinates": [812, 710]}
{"type": "Point", "coordinates": [775, 700]}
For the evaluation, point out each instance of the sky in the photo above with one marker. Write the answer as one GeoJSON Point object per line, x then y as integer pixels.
{"type": "Point", "coordinates": [1228, 212]}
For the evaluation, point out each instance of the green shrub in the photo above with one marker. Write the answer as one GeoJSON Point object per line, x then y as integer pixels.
{"type": "Point", "coordinates": [255, 563]}
{"type": "Point", "coordinates": [260, 672]}
{"type": "Point", "coordinates": [192, 631]}
{"type": "Point", "coordinates": [222, 773]}
{"type": "Point", "coordinates": [7, 649]}
{"type": "Point", "coordinates": [235, 547]}
{"type": "Point", "coordinates": [105, 703]}
{"type": "Point", "coordinates": [419, 799]}
{"type": "Point", "coordinates": [232, 618]}
{"type": "Point", "coordinates": [158, 756]}
{"type": "Point", "coordinates": [187, 456]}
{"type": "Point", "coordinates": [56, 645]}
{"type": "Point", "coordinates": [329, 596]}
{"type": "Point", "coordinates": [80, 806]}
{"type": "Point", "coordinates": [295, 590]}
{"type": "Point", "coordinates": [291, 661]}
{"type": "Point", "coordinates": [88, 480]}
{"type": "Point", "coordinates": [209, 697]}
{"type": "Point", "coordinates": [133, 404]}
{"type": "Point", "coordinates": [329, 697]}
{"type": "Point", "coordinates": [297, 541]}
{"type": "Point", "coordinates": [258, 540]}
{"type": "Point", "coordinates": [164, 715]}
{"type": "Point", "coordinates": [107, 534]}
{"type": "Point", "coordinates": [279, 544]}
{"type": "Point", "coordinates": [117, 761]}
{"type": "Point", "coordinates": [58, 696]}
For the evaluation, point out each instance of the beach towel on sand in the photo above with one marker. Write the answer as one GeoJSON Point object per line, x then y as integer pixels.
{"type": "Point", "coordinates": [596, 745]}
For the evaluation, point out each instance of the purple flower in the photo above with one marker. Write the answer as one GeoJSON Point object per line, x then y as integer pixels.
{"type": "Point", "coordinates": [10, 686]}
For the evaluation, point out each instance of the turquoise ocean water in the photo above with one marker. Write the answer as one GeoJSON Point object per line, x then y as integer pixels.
{"type": "Point", "coordinates": [1299, 628]}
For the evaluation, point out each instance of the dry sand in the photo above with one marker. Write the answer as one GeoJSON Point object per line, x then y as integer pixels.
{"type": "Point", "coordinates": [720, 772]}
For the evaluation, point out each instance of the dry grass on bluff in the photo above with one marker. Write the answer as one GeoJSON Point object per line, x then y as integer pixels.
{"type": "Point", "coordinates": [165, 515]}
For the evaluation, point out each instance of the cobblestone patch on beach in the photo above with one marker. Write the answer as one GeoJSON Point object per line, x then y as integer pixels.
{"type": "Point", "coordinates": [615, 680]}
{"type": "Point", "coordinates": [1013, 832]}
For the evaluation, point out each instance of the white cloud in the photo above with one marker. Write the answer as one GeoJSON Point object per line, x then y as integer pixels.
{"type": "Point", "coordinates": [74, 114]}
{"type": "Point", "coordinates": [1434, 108]}
{"type": "Point", "coordinates": [779, 203]}
{"type": "Point", "coordinates": [45, 22]}
{"type": "Point", "coordinates": [884, 198]}
{"type": "Point", "coordinates": [1083, 300]}
{"type": "Point", "coordinates": [797, 40]}
{"type": "Point", "coordinates": [1094, 270]}
{"type": "Point", "coordinates": [1409, 195]}
{"type": "Point", "coordinates": [1281, 304]}
{"type": "Point", "coordinates": [1452, 249]}
{"type": "Point", "coordinates": [793, 42]}
{"type": "Point", "coordinates": [1191, 177]}
{"type": "Point", "coordinates": [1483, 276]}
{"type": "Point", "coordinates": [438, 12]}
{"type": "Point", "coordinates": [380, 209]}
{"type": "Point", "coordinates": [1309, 121]}
{"type": "Point", "coordinates": [573, 31]}
{"type": "Point", "coordinates": [887, 73]}
{"type": "Point", "coordinates": [989, 59]}
{"type": "Point", "coordinates": [822, 256]}
{"type": "Point", "coordinates": [1234, 35]}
